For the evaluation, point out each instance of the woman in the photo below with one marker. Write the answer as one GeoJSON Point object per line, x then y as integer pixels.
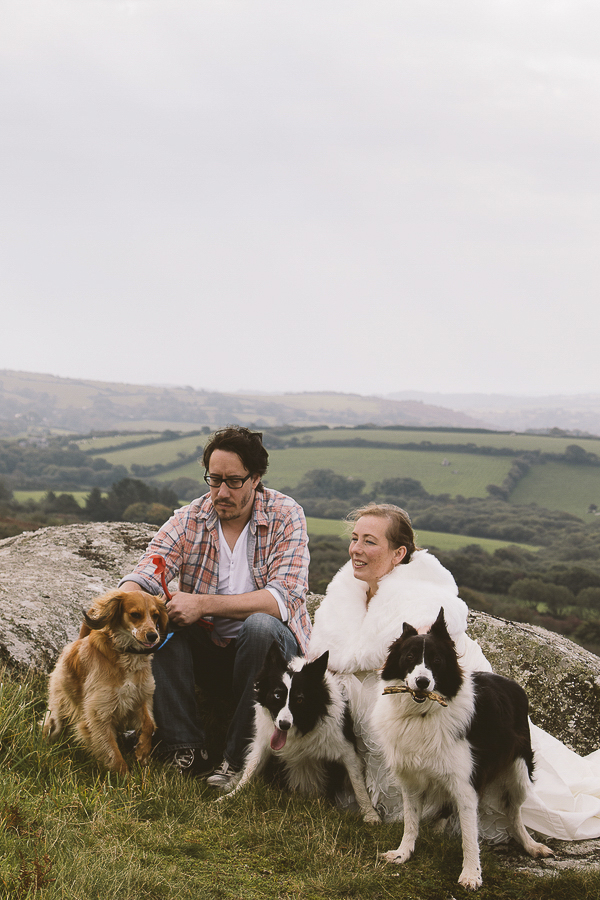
{"type": "Point", "coordinates": [389, 581]}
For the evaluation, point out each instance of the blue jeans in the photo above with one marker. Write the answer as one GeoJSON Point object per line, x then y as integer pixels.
{"type": "Point", "coordinates": [190, 657]}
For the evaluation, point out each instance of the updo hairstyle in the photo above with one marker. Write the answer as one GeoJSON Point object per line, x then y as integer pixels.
{"type": "Point", "coordinates": [399, 531]}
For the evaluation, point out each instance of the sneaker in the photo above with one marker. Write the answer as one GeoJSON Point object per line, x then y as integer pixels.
{"type": "Point", "coordinates": [223, 777]}
{"type": "Point", "coordinates": [189, 761]}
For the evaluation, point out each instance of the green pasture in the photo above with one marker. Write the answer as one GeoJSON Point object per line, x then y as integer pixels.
{"type": "Point", "coordinates": [165, 452]}
{"type": "Point", "coordinates": [468, 474]}
{"type": "Point", "coordinates": [36, 496]}
{"type": "Point", "coordinates": [160, 425]}
{"type": "Point", "coordinates": [502, 440]}
{"type": "Point", "coordinates": [437, 539]}
{"type": "Point", "coordinates": [558, 485]}
{"type": "Point", "coordinates": [99, 443]}
{"type": "Point", "coordinates": [554, 485]}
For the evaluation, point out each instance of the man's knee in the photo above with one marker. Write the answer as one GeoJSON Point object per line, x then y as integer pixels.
{"type": "Point", "coordinates": [260, 630]}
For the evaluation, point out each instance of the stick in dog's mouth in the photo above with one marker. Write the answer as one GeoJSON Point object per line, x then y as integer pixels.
{"type": "Point", "coordinates": [418, 696]}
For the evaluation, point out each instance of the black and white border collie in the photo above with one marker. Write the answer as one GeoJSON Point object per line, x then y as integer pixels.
{"type": "Point", "coordinates": [302, 722]}
{"type": "Point", "coordinates": [477, 743]}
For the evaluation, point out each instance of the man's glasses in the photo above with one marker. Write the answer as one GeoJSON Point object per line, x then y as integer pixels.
{"type": "Point", "coordinates": [233, 482]}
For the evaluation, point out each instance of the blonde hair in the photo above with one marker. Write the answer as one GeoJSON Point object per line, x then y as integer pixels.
{"type": "Point", "coordinates": [399, 531]}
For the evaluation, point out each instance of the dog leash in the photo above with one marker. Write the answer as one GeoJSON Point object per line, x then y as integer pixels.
{"type": "Point", "coordinates": [159, 568]}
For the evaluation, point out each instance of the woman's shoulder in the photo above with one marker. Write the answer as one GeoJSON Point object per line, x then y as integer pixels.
{"type": "Point", "coordinates": [423, 566]}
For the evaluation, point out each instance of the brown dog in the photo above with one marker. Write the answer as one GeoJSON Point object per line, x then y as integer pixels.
{"type": "Point", "coordinates": [103, 681]}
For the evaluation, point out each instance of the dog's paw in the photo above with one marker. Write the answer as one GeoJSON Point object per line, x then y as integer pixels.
{"type": "Point", "coordinates": [372, 817]}
{"type": "Point", "coordinates": [470, 879]}
{"type": "Point", "coordinates": [398, 856]}
{"type": "Point", "coordinates": [51, 727]}
{"type": "Point", "coordinates": [540, 851]}
{"type": "Point", "coordinates": [228, 792]}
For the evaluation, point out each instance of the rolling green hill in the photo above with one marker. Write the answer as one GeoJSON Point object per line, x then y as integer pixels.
{"type": "Point", "coordinates": [550, 482]}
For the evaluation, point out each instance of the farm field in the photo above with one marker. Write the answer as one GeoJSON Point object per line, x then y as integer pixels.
{"type": "Point", "coordinates": [24, 496]}
{"type": "Point", "coordinates": [165, 452]}
{"type": "Point", "coordinates": [98, 443]}
{"type": "Point", "coordinates": [524, 442]}
{"type": "Point", "coordinates": [469, 475]}
{"type": "Point", "coordinates": [437, 539]}
{"type": "Point", "coordinates": [565, 487]}
{"type": "Point", "coordinates": [555, 485]}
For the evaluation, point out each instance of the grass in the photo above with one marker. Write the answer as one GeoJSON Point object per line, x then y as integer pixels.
{"type": "Point", "coordinates": [70, 831]}
{"type": "Point", "coordinates": [439, 540]}
{"type": "Point", "coordinates": [553, 485]}
{"type": "Point", "coordinates": [513, 441]}
{"type": "Point", "coordinates": [162, 452]}
{"type": "Point", "coordinates": [557, 485]}
{"type": "Point", "coordinates": [98, 443]}
{"type": "Point", "coordinates": [468, 474]}
{"type": "Point", "coordinates": [24, 496]}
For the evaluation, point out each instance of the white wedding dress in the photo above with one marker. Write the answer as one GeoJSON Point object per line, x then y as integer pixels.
{"type": "Point", "coordinates": [564, 801]}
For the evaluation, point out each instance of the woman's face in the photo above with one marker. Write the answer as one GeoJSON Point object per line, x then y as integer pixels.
{"type": "Point", "coordinates": [370, 551]}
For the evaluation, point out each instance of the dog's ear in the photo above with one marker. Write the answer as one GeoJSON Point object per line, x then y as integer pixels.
{"type": "Point", "coordinates": [390, 667]}
{"type": "Point", "coordinates": [407, 631]}
{"type": "Point", "coordinates": [275, 658]}
{"type": "Point", "coordinates": [274, 663]}
{"type": "Point", "coordinates": [163, 615]}
{"type": "Point", "coordinates": [106, 611]}
{"type": "Point", "coordinates": [439, 628]}
{"type": "Point", "coordinates": [318, 666]}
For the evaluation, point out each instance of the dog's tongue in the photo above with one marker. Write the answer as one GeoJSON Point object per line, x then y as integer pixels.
{"type": "Point", "coordinates": [278, 739]}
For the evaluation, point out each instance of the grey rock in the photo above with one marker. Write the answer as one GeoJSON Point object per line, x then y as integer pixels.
{"type": "Point", "coordinates": [48, 577]}
{"type": "Point", "coordinates": [561, 679]}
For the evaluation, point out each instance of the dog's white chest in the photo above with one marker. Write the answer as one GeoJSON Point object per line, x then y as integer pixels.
{"type": "Point", "coordinates": [128, 694]}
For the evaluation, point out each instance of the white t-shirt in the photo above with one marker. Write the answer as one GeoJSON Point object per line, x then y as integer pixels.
{"type": "Point", "coordinates": [235, 578]}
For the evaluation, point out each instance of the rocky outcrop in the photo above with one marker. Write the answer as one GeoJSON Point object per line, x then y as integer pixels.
{"type": "Point", "coordinates": [561, 679]}
{"type": "Point", "coordinates": [48, 577]}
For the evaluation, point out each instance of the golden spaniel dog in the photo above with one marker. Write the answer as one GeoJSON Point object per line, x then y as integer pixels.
{"type": "Point", "coordinates": [103, 683]}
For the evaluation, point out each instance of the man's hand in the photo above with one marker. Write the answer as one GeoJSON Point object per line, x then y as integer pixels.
{"type": "Point", "coordinates": [185, 609]}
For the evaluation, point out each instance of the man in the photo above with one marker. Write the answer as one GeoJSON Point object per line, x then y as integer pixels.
{"type": "Point", "coordinates": [241, 552]}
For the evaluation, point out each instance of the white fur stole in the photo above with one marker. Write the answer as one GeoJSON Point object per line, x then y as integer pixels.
{"type": "Point", "coordinates": [358, 637]}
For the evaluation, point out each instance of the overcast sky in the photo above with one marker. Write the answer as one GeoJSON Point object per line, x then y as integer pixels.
{"type": "Point", "coordinates": [361, 196]}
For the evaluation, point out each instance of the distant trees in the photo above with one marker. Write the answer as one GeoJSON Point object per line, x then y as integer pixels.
{"type": "Point", "coordinates": [128, 500]}
{"type": "Point", "coordinates": [325, 494]}
{"type": "Point", "coordinates": [325, 483]}
{"type": "Point", "coordinates": [58, 462]}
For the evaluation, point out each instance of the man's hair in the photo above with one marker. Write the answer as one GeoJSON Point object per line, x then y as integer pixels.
{"type": "Point", "coordinates": [247, 444]}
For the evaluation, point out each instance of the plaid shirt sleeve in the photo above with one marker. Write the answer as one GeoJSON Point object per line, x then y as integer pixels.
{"type": "Point", "coordinates": [281, 556]}
{"type": "Point", "coordinates": [190, 551]}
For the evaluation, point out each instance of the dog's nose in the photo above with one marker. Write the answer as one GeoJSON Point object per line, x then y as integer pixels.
{"type": "Point", "coordinates": [284, 725]}
{"type": "Point", "coordinates": [151, 637]}
{"type": "Point", "coordinates": [422, 683]}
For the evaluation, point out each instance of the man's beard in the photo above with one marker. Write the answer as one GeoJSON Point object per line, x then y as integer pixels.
{"type": "Point", "coordinates": [226, 510]}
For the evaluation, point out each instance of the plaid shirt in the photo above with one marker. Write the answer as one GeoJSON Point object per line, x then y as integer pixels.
{"type": "Point", "coordinates": [277, 553]}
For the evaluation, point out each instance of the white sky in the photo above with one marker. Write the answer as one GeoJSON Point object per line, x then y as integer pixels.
{"type": "Point", "coordinates": [314, 195]}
